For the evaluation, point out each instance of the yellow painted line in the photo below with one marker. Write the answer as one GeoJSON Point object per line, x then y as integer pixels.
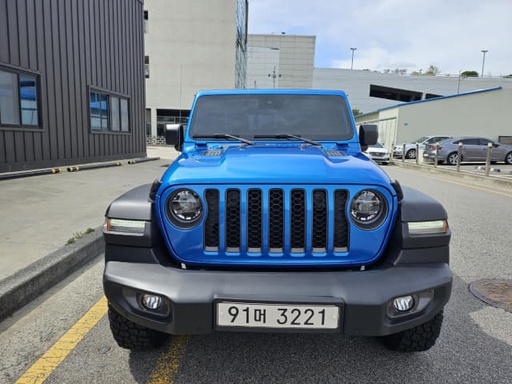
{"type": "Point", "coordinates": [169, 362]}
{"type": "Point", "coordinates": [42, 368]}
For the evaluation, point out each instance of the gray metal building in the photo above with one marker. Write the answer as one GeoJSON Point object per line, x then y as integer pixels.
{"type": "Point", "coordinates": [71, 82]}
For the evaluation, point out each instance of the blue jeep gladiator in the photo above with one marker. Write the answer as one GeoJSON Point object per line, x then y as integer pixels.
{"type": "Point", "coordinates": [273, 220]}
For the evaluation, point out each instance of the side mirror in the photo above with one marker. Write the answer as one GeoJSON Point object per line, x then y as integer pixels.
{"type": "Point", "coordinates": [174, 135]}
{"type": "Point", "coordinates": [368, 135]}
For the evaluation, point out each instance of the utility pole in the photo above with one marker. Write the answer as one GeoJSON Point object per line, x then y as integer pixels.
{"type": "Point", "coordinates": [484, 51]}
{"type": "Point", "coordinates": [274, 76]}
{"type": "Point", "coordinates": [352, 64]}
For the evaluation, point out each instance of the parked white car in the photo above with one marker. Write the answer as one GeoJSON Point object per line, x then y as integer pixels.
{"type": "Point", "coordinates": [378, 153]}
{"type": "Point", "coordinates": [410, 148]}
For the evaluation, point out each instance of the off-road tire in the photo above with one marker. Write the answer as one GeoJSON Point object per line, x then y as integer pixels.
{"type": "Point", "coordinates": [417, 339]}
{"type": "Point", "coordinates": [132, 336]}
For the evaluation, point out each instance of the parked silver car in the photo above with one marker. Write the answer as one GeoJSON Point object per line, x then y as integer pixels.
{"type": "Point", "coordinates": [473, 149]}
{"type": "Point", "coordinates": [410, 148]}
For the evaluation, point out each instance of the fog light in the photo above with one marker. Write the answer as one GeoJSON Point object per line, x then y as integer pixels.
{"type": "Point", "coordinates": [403, 304]}
{"type": "Point", "coordinates": [152, 302]}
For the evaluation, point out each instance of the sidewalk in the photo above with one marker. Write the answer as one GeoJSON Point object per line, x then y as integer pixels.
{"type": "Point", "coordinates": [45, 219]}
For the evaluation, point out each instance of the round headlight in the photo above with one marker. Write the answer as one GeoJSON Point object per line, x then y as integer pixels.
{"type": "Point", "coordinates": [368, 209]}
{"type": "Point", "coordinates": [185, 207]}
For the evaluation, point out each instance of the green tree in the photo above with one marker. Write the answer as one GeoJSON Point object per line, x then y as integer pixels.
{"type": "Point", "coordinates": [356, 112]}
{"type": "Point", "coordinates": [469, 74]}
{"type": "Point", "coordinates": [432, 71]}
{"type": "Point", "coordinates": [508, 76]}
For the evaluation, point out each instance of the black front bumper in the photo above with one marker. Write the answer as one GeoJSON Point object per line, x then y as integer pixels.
{"type": "Point", "coordinates": [190, 294]}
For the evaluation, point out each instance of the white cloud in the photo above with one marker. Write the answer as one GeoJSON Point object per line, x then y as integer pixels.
{"type": "Point", "coordinates": [412, 34]}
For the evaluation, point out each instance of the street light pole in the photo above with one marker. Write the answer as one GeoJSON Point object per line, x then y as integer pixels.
{"type": "Point", "coordinates": [352, 64]}
{"type": "Point", "coordinates": [484, 51]}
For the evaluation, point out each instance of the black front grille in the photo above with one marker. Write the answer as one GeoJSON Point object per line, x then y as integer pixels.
{"type": "Point", "coordinates": [340, 222]}
{"type": "Point", "coordinates": [298, 220]}
{"type": "Point", "coordinates": [276, 220]}
{"type": "Point", "coordinates": [255, 216]}
{"type": "Point", "coordinates": [211, 224]}
{"type": "Point", "coordinates": [233, 220]}
{"type": "Point", "coordinates": [319, 221]}
{"type": "Point", "coordinates": [254, 220]}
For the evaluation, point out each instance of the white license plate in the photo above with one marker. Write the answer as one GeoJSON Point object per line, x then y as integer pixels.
{"type": "Point", "coordinates": [282, 316]}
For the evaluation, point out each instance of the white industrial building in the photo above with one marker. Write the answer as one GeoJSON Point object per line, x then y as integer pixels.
{"type": "Point", "coordinates": [280, 61]}
{"type": "Point", "coordinates": [189, 46]}
{"type": "Point", "coordinates": [485, 113]}
{"type": "Point", "coordinates": [369, 91]}
{"type": "Point", "coordinates": [193, 45]}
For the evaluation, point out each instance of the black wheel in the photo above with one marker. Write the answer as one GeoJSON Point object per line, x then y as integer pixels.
{"type": "Point", "coordinates": [132, 336]}
{"type": "Point", "coordinates": [417, 339]}
{"type": "Point", "coordinates": [452, 158]}
{"type": "Point", "coordinates": [410, 154]}
{"type": "Point", "coordinates": [508, 158]}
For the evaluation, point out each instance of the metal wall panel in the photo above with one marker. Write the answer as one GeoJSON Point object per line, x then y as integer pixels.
{"type": "Point", "coordinates": [73, 46]}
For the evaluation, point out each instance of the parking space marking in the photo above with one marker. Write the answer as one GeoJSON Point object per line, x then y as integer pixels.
{"type": "Point", "coordinates": [43, 368]}
{"type": "Point", "coordinates": [169, 362]}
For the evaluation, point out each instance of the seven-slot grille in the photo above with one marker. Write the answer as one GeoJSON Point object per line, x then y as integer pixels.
{"type": "Point", "coordinates": [276, 220]}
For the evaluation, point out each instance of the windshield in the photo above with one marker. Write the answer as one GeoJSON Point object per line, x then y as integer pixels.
{"type": "Point", "coordinates": [260, 116]}
{"type": "Point", "coordinates": [421, 139]}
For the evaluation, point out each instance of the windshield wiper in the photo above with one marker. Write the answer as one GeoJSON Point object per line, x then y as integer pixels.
{"type": "Point", "coordinates": [223, 136]}
{"type": "Point", "coordinates": [288, 136]}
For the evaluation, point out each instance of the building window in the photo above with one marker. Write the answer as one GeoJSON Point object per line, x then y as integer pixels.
{"type": "Point", "coordinates": [18, 99]}
{"type": "Point", "coordinates": [146, 66]}
{"type": "Point", "coordinates": [115, 122]}
{"type": "Point", "coordinates": [124, 116]}
{"type": "Point", "coordinates": [145, 21]}
{"type": "Point", "coordinates": [109, 113]}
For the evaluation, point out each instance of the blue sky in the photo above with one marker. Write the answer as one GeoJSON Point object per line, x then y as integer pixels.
{"type": "Point", "coordinates": [390, 34]}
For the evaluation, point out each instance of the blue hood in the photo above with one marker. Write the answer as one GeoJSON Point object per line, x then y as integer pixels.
{"type": "Point", "coordinates": [273, 164]}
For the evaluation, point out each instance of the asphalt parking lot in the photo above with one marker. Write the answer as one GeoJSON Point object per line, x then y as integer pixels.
{"type": "Point", "coordinates": [497, 172]}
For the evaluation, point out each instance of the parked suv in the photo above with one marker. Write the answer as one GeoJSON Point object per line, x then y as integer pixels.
{"type": "Point", "coordinates": [272, 221]}
{"type": "Point", "coordinates": [410, 148]}
{"type": "Point", "coordinates": [473, 149]}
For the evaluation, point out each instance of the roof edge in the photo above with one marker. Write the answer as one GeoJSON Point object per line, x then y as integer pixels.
{"type": "Point", "coordinates": [433, 99]}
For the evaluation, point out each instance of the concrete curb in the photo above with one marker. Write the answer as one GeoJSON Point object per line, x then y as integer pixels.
{"type": "Point", "coordinates": [27, 284]}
